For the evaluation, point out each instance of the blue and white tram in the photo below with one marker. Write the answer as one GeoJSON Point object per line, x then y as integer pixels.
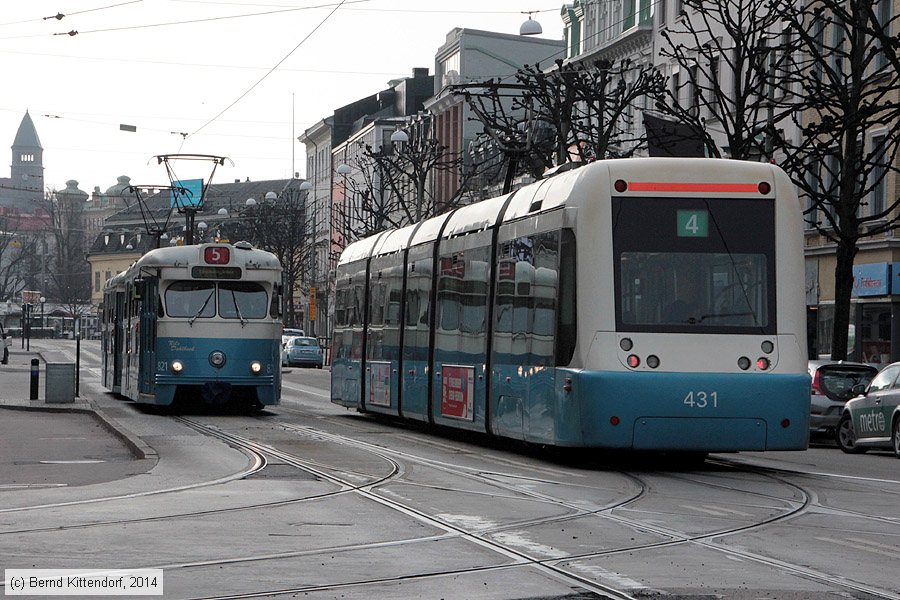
{"type": "Point", "coordinates": [200, 322]}
{"type": "Point", "coordinates": [644, 304]}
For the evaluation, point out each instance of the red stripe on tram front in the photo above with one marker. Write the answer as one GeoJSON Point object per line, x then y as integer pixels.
{"type": "Point", "coordinates": [672, 186]}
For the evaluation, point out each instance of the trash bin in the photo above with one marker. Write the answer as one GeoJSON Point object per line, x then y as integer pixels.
{"type": "Point", "coordinates": [60, 383]}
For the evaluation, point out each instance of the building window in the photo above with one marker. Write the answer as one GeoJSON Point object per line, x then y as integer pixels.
{"type": "Point", "coordinates": [883, 12]}
{"type": "Point", "coordinates": [878, 174]}
{"type": "Point", "coordinates": [450, 69]}
{"type": "Point", "coordinates": [96, 281]}
{"type": "Point", "coordinates": [629, 17]}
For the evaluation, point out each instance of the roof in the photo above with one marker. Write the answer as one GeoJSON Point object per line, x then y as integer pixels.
{"type": "Point", "coordinates": [27, 136]}
{"type": "Point", "coordinates": [219, 195]}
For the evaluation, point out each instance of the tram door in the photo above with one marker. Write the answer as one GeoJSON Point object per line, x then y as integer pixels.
{"type": "Point", "coordinates": [118, 339]}
{"type": "Point", "coordinates": [147, 335]}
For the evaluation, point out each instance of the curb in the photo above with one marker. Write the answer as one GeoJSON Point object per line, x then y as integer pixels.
{"type": "Point", "coordinates": [135, 444]}
{"type": "Point", "coordinates": [139, 447]}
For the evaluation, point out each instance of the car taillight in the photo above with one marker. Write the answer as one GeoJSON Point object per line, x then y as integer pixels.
{"type": "Point", "coordinates": [817, 383]}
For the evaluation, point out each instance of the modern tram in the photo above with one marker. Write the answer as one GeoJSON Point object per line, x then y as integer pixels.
{"type": "Point", "coordinates": [199, 322]}
{"type": "Point", "coordinates": [635, 304]}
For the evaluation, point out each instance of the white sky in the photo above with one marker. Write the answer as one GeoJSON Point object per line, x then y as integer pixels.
{"type": "Point", "coordinates": [178, 76]}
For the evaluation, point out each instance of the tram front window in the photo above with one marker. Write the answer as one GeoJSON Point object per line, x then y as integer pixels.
{"type": "Point", "coordinates": [242, 300]}
{"type": "Point", "coordinates": [191, 299]}
{"type": "Point", "coordinates": [688, 291]}
{"type": "Point", "coordinates": [694, 265]}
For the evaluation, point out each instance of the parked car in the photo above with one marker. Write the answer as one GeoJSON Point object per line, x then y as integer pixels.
{"type": "Point", "coordinates": [301, 351]}
{"type": "Point", "coordinates": [872, 419]}
{"type": "Point", "coordinates": [832, 385]}
{"type": "Point", "coordinates": [292, 332]}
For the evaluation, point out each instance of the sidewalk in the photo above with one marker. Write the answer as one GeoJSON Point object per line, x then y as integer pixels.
{"type": "Point", "coordinates": [98, 446]}
{"type": "Point", "coordinates": [59, 445]}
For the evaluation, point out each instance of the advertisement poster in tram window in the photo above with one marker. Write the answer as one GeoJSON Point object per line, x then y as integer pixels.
{"type": "Point", "coordinates": [458, 392]}
{"type": "Point", "coordinates": [380, 384]}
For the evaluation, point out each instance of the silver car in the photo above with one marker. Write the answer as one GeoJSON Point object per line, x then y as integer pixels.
{"type": "Point", "coordinates": [832, 387]}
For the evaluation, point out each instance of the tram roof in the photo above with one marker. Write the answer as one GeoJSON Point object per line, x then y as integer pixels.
{"type": "Point", "coordinates": [242, 254]}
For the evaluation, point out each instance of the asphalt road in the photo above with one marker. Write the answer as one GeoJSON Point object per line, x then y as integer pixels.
{"type": "Point", "coordinates": [311, 500]}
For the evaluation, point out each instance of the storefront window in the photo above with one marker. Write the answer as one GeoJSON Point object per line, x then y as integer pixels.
{"type": "Point", "coordinates": [875, 333]}
{"type": "Point", "coordinates": [826, 327]}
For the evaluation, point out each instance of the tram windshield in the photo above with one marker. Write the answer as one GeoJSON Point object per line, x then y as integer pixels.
{"type": "Point", "coordinates": [694, 265]}
{"type": "Point", "coordinates": [694, 290]}
{"type": "Point", "coordinates": [242, 300]}
{"type": "Point", "coordinates": [198, 300]}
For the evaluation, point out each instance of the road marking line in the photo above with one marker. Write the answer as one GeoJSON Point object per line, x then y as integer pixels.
{"type": "Point", "coordinates": [71, 462]}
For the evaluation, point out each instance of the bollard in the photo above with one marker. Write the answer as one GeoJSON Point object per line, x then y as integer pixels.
{"type": "Point", "coordinates": [35, 376]}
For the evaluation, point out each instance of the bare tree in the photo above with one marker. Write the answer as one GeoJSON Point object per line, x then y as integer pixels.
{"type": "Point", "coordinates": [393, 187]}
{"type": "Point", "coordinates": [729, 54]}
{"type": "Point", "coordinates": [17, 251]}
{"type": "Point", "coordinates": [572, 113]}
{"type": "Point", "coordinates": [282, 227]}
{"type": "Point", "coordinates": [66, 270]}
{"type": "Point", "coordinates": [847, 109]}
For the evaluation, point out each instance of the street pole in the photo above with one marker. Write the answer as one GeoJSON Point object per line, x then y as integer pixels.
{"type": "Point", "coordinates": [28, 325]}
{"type": "Point", "coordinates": [77, 353]}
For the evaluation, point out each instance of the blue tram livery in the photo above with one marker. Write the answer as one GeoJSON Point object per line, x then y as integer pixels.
{"type": "Point", "coordinates": [199, 322]}
{"type": "Point", "coordinates": [640, 304]}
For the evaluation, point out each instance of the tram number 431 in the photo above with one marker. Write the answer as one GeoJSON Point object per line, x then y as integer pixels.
{"type": "Point", "coordinates": [702, 399]}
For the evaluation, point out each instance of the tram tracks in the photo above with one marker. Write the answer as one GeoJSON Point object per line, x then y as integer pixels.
{"type": "Point", "coordinates": [710, 540]}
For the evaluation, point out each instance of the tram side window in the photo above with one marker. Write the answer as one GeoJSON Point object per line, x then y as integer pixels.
{"type": "Point", "coordinates": [375, 339]}
{"type": "Point", "coordinates": [418, 292]}
{"type": "Point", "coordinates": [543, 298]}
{"type": "Point", "coordinates": [566, 325]}
{"type": "Point", "coordinates": [242, 299]}
{"type": "Point", "coordinates": [462, 301]}
{"type": "Point", "coordinates": [191, 299]}
{"type": "Point", "coordinates": [341, 316]}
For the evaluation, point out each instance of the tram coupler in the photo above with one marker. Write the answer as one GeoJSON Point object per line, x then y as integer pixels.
{"type": "Point", "coordinates": [35, 377]}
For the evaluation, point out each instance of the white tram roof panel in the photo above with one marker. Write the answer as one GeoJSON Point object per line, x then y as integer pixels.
{"type": "Point", "coordinates": [475, 217]}
{"type": "Point", "coordinates": [242, 254]}
{"type": "Point", "coordinates": [665, 170]}
{"type": "Point", "coordinates": [543, 195]}
{"type": "Point", "coordinates": [394, 241]}
{"type": "Point", "coordinates": [360, 250]}
{"type": "Point", "coordinates": [428, 230]}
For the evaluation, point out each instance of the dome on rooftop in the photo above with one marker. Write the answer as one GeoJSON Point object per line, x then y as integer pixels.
{"type": "Point", "coordinates": [122, 182]}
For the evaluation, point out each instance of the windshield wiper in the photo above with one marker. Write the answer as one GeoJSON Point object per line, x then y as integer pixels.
{"type": "Point", "coordinates": [202, 308]}
{"type": "Point", "coordinates": [238, 309]}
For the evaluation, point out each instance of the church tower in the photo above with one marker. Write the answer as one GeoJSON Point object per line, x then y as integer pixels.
{"type": "Point", "coordinates": [27, 167]}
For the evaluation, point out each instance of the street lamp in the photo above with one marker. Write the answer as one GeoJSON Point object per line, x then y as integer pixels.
{"type": "Point", "coordinates": [42, 316]}
{"type": "Point", "coordinates": [399, 137]}
{"type": "Point", "coordinates": [530, 27]}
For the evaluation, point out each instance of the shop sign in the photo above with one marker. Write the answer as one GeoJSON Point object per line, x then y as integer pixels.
{"type": "Point", "coordinates": [871, 280]}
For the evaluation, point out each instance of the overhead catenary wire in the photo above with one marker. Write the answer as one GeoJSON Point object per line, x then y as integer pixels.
{"type": "Point", "coordinates": [272, 70]}
{"type": "Point", "coordinates": [60, 16]}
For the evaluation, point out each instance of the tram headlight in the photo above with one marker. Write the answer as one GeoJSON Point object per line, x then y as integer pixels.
{"type": "Point", "coordinates": [177, 366]}
{"type": "Point", "coordinates": [256, 367]}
